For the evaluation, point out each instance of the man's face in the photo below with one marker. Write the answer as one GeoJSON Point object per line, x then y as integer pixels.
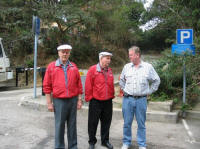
{"type": "Point", "coordinates": [134, 57]}
{"type": "Point", "coordinates": [105, 61]}
{"type": "Point", "coordinates": [64, 55]}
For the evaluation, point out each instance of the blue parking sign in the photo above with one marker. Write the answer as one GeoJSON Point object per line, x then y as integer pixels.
{"type": "Point", "coordinates": [37, 25]}
{"type": "Point", "coordinates": [183, 49]}
{"type": "Point", "coordinates": [184, 36]}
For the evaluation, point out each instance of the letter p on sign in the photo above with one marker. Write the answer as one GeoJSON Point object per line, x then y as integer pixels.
{"type": "Point", "coordinates": [184, 36]}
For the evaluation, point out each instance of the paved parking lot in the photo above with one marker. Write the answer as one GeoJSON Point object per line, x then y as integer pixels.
{"type": "Point", "coordinates": [23, 127]}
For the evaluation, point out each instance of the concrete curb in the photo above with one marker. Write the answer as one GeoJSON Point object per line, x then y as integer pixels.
{"type": "Point", "coordinates": [160, 106]}
{"type": "Point", "coordinates": [193, 114]}
{"type": "Point", "coordinates": [160, 116]}
{"type": "Point", "coordinates": [154, 116]}
{"type": "Point", "coordinates": [30, 102]}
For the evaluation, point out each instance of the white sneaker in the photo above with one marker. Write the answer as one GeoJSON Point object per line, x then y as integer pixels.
{"type": "Point", "coordinates": [142, 147]}
{"type": "Point", "coordinates": [125, 146]}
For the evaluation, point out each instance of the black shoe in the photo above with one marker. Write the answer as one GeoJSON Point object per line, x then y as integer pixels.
{"type": "Point", "coordinates": [108, 145]}
{"type": "Point", "coordinates": [91, 146]}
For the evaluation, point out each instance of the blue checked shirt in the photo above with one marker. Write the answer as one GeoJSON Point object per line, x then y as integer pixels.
{"type": "Point", "coordinates": [140, 81]}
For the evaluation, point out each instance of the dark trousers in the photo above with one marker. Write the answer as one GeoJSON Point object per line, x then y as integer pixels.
{"type": "Point", "coordinates": [99, 110]}
{"type": "Point", "coordinates": [65, 111]}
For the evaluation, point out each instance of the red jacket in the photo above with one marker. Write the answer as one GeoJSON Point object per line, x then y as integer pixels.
{"type": "Point", "coordinates": [99, 85]}
{"type": "Point", "coordinates": [54, 81]}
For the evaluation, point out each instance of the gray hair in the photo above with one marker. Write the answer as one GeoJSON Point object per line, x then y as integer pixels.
{"type": "Point", "coordinates": [135, 49]}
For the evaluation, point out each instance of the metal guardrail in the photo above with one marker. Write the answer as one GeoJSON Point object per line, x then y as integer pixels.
{"type": "Point", "coordinates": [25, 70]}
{"type": "Point", "coordinates": [42, 70]}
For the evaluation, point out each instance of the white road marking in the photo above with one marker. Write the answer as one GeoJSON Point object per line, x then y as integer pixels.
{"type": "Point", "coordinates": [192, 139]}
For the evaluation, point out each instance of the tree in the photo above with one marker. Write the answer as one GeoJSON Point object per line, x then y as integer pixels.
{"type": "Point", "coordinates": [16, 18]}
{"type": "Point", "coordinates": [175, 14]}
{"type": "Point", "coordinates": [15, 28]}
{"type": "Point", "coordinates": [90, 26]}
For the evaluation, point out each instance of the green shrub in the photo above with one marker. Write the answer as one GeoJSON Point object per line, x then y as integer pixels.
{"type": "Point", "coordinates": [170, 70]}
{"type": "Point", "coordinates": [29, 63]}
{"type": "Point", "coordinates": [162, 97]}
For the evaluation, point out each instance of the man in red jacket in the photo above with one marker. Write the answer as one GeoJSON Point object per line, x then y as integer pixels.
{"type": "Point", "coordinates": [62, 82]}
{"type": "Point", "coordinates": [99, 90]}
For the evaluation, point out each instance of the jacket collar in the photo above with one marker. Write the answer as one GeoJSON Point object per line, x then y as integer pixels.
{"type": "Point", "coordinates": [59, 63]}
{"type": "Point", "coordinates": [99, 69]}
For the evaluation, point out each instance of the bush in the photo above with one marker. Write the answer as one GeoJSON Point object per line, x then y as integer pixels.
{"type": "Point", "coordinates": [29, 63]}
{"type": "Point", "coordinates": [170, 70]}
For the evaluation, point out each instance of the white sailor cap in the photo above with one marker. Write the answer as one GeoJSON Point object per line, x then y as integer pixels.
{"type": "Point", "coordinates": [64, 47]}
{"type": "Point", "coordinates": [101, 54]}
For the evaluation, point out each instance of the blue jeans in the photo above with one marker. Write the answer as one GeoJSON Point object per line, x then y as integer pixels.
{"type": "Point", "coordinates": [138, 108]}
{"type": "Point", "coordinates": [65, 111]}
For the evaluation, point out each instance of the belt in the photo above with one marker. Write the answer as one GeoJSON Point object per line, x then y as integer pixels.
{"type": "Point", "coordinates": [136, 97]}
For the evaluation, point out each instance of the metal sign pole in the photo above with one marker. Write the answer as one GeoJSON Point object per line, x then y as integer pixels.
{"type": "Point", "coordinates": [36, 29]}
{"type": "Point", "coordinates": [35, 66]}
{"type": "Point", "coordinates": [184, 85]}
{"type": "Point", "coordinates": [184, 40]}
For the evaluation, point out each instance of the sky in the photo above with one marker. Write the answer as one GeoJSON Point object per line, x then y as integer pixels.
{"type": "Point", "coordinates": [148, 3]}
{"type": "Point", "coordinates": [151, 24]}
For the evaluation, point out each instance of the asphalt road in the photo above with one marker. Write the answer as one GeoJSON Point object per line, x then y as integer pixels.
{"type": "Point", "coordinates": [22, 127]}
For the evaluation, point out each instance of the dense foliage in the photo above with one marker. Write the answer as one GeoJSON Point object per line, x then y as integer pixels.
{"type": "Point", "coordinates": [170, 70]}
{"type": "Point", "coordinates": [172, 15]}
{"type": "Point", "coordinates": [176, 14]}
{"type": "Point", "coordinates": [91, 26]}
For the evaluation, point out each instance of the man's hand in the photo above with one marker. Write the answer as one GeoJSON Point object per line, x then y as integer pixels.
{"type": "Point", "coordinates": [125, 94]}
{"type": "Point", "coordinates": [50, 107]}
{"type": "Point", "coordinates": [49, 103]}
{"type": "Point", "coordinates": [79, 103]}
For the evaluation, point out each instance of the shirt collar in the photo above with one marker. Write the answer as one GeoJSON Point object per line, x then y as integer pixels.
{"type": "Point", "coordinates": [59, 63]}
{"type": "Point", "coordinates": [140, 65]}
{"type": "Point", "coordinates": [99, 69]}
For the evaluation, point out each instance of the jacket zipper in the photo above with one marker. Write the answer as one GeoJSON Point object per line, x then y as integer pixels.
{"type": "Point", "coordinates": [66, 82]}
{"type": "Point", "coordinates": [106, 84]}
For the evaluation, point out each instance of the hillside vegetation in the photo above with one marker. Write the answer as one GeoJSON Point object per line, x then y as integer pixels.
{"type": "Point", "coordinates": [92, 26]}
